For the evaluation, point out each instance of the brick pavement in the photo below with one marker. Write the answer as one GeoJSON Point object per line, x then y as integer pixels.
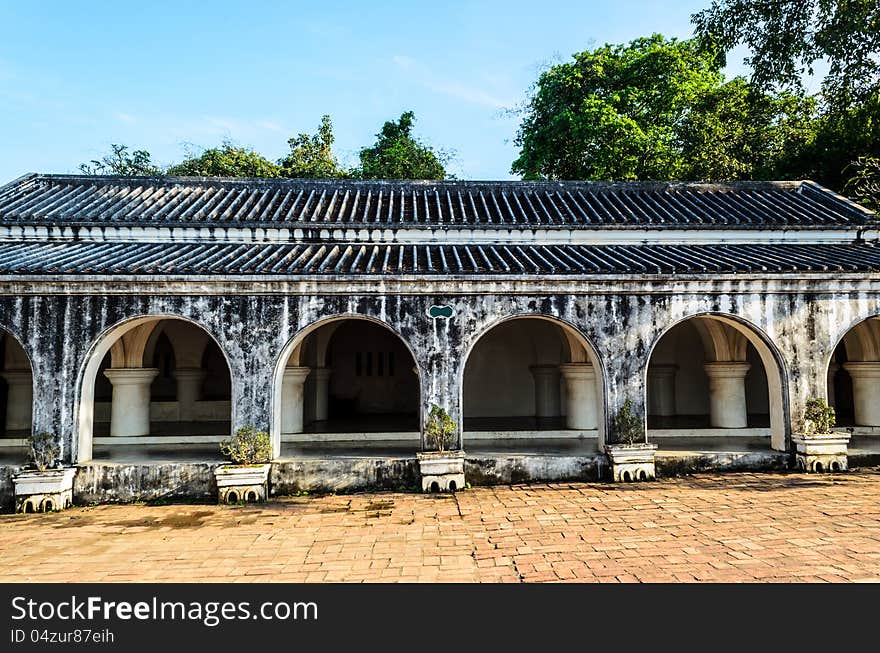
{"type": "Point", "coordinates": [735, 527]}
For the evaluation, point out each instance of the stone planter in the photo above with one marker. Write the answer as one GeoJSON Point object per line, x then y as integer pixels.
{"type": "Point", "coordinates": [821, 452]}
{"type": "Point", "coordinates": [441, 471]}
{"type": "Point", "coordinates": [37, 491]}
{"type": "Point", "coordinates": [631, 462]}
{"type": "Point", "coordinates": [249, 483]}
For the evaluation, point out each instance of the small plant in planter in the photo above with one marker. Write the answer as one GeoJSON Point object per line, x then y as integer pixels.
{"type": "Point", "coordinates": [442, 470]}
{"type": "Point", "coordinates": [247, 479]}
{"type": "Point", "coordinates": [45, 484]}
{"type": "Point", "coordinates": [818, 448]}
{"type": "Point", "coordinates": [632, 459]}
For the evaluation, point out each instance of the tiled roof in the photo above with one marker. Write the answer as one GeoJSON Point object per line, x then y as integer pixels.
{"type": "Point", "coordinates": [67, 258]}
{"type": "Point", "coordinates": [71, 199]}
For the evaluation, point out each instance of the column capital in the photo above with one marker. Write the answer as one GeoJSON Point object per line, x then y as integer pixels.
{"type": "Point", "coordinates": [296, 374]}
{"type": "Point", "coordinates": [577, 370]}
{"type": "Point", "coordinates": [131, 375]}
{"type": "Point", "coordinates": [727, 369]}
{"type": "Point", "coordinates": [662, 369]}
{"type": "Point", "coordinates": [17, 377]}
{"type": "Point", "coordinates": [321, 373]}
{"type": "Point", "coordinates": [544, 370]}
{"type": "Point", "coordinates": [187, 373]}
{"type": "Point", "coordinates": [863, 369]}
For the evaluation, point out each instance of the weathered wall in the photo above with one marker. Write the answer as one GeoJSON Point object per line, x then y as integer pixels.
{"type": "Point", "coordinates": [799, 321]}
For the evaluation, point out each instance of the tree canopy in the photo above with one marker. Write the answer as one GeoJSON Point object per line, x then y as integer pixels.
{"type": "Point", "coordinates": [655, 108]}
{"type": "Point", "coordinates": [228, 160]}
{"type": "Point", "coordinates": [396, 154]}
{"type": "Point", "coordinates": [787, 38]}
{"type": "Point", "coordinates": [312, 155]}
{"type": "Point", "coordinates": [121, 161]}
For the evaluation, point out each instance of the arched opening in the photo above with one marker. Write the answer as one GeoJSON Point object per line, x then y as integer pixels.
{"type": "Point", "coordinates": [534, 385]}
{"type": "Point", "coordinates": [347, 384]}
{"type": "Point", "coordinates": [714, 384]}
{"type": "Point", "coordinates": [154, 387]}
{"type": "Point", "coordinates": [853, 385]}
{"type": "Point", "coordinates": [16, 400]}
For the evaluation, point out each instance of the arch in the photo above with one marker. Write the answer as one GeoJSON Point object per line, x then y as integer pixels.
{"type": "Point", "coordinates": [853, 375]}
{"type": "Point", "coordinates": [580, 349]}
{"type": "Point", "coordinates": [103, 344]}
{"type": "Point", "coordinates": [18, 370]}
{"type": "Point", "coordinates": [774, 366]}
{"type": "Point", "coordinates": [293, 349]}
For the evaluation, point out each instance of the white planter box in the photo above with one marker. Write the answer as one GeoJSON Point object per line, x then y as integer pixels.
{"type": "Point", "coordinates": [631, 462]}
{"type": "Point", "coordinates": [242, 483]}
{"type": "Point", "coordinates": [37, 491]}
{"type": "Point", "coordinates": [441, 472]}
{"type": "Point", "coordinates": [821, 452]}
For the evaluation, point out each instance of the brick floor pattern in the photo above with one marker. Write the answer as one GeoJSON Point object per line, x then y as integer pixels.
{"type": "Point", "coordinates": [715, 528]}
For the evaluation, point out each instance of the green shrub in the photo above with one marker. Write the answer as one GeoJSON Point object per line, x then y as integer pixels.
{"type": "Point", "coordinates": [248, 446]}
{"type": "Point", "coordinates": [440, 429]}
{"type": "Point", "coordinates": [627, 425]}
{"type": "Point", "coordinates": [819, 417]}
{"type": "Point", "coordinates": [44, 451]}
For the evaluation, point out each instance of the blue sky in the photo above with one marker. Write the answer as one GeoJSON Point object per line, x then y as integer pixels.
{"type": "Point", "coordinates": [77, 76]}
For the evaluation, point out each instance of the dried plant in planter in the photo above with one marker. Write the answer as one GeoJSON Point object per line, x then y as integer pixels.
{"type": "Point", "coordinates": [248, 447]}
{"type": "Point", "coordinates": [45, 453]}
{"type": "Point", "coordinates": [819, 417]}
{"type": "Point", "coordinates": [440, 429]}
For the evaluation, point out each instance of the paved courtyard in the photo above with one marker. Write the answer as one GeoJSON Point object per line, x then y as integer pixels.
{"type": "Point", "coordinates": [735, 527]}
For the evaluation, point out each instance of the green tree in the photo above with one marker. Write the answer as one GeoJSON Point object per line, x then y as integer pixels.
{"type": "Point", "coordinates": [121, 161]}
{"type": "Point", "coordinates": [397, 155]}
{"type": "Point", "coordinates": [736, 132]}
{"type": "Point", "coordinates": [312, 155]}
{"type": "Point", "coordinates": [864, 182]}
{"type": "Point", "coordinates": [228, 160]}
{"type": "Point", "coordinates": [655, 108]}
{"type": "Point", "coordinates": [787, 38]}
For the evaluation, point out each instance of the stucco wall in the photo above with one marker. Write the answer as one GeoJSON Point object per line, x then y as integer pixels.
{"type": "Point", "coordinates": [799, 321]}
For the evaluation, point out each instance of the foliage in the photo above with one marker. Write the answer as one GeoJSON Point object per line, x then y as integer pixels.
{"type": "Point", "coordinates": [45, 453]}
{"type": "Point", "coordinates": [397, 155]}
{"type": "Point", "coordinates": [736, 132]}
{"type": "Point", "coordinates": [440, 429]}
{"type": "Point", "coordinates": [627, 425]}
{"type": "Point", "coordinates": [248, 446]}
{"type": "Point", "coordinates": [228, 160]}
{"type": "Point", "coordinates": [655, 108]}
{"type": "Point", "coordinates": [864, 185]}
{"type": "Point", "coordinates": [787, 38]}
{"type": "Point", "coordinates": [122, 162]}
{"type": "Point", "coordinates": [819, 417]}
{"type": "Point", "coordinates": [311, 156]}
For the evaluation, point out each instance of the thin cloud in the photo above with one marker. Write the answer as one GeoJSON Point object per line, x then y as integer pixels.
{"type": "Point", "coordinates": [450, 87]}
{"type": "Point", "coordinates": [127, 118]}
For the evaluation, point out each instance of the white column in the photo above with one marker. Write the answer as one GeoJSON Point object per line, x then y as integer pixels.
{"type": "Point", "coordinates": [321, 376]}
{"type": "Point", "coordinates": [292, 399]}
{"type": "Point", "coordinates": [130, 410]}
{"type": "Point", "coordinates": [727, 394]}
{"type": "Point", "coordinates": [546, 390]}
{"type": "Point", "coordinates": [866, 391]}
{"type": "Point", "coordinates": [580, 396]}
{"type": "Point", "coordinates": [189, 390]}
{"type": "Point", "coordinates": [19, 399]}
{"type": "Point", "coordinates": [661, 390]}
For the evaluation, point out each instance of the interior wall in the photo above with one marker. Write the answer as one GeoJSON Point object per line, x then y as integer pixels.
{"type": "Point", "coordinates": [372, 371]}
{"type": "Point", "coordinates": [497, 379]}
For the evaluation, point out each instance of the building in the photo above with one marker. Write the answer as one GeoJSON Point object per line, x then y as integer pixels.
{"type": "Point", "coordinates": [144, 319]}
